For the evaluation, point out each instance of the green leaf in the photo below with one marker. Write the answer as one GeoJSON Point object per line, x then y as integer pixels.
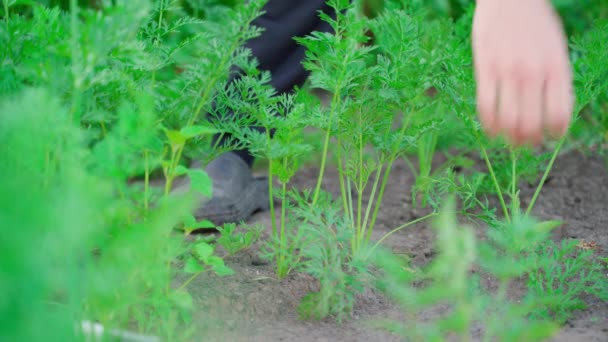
{"type": "Point", "coordinates": [223, 270]}
{"type": "Point", "coordinates": [175, 138]}
{"type": "Point", "coordinates": [215, 261]}
{"type": "Point", "coordinates": [218, 266]}
{"type": "Point", "coordinates": [182, 299]}
{"type": "Point", "coordinates": [548, 226]}
{"type": "Point", "coordinates": [204, 224]}
{"type": "Point", "coordinates": [201, 182]}
{"type": "Point", "coordinates": [193, 266]}
{"type": "Point", "coordinates": [191, 224]}
{"type": "Point", "coordinates": [197, 130]}
{"type": "Point", "coordinates": [189, 221]}
{"type": "Point", "coordinates": [203, 250]}
{"type": "Point", "coordinates": [180, 170]}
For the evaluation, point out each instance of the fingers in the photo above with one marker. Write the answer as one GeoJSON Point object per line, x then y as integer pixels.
{"type": "Point", "coordinates": [508, 108]}
{"type": "Point", "coordinates": [559, 101]}
{"type": "Point", "coordinates": [530, 120]}
{"type": "Point", "coordinates": [522, 108]}
{"type": "Point", "coordinates": [487, 101]}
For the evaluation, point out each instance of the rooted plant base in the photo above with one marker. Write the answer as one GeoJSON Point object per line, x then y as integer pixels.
{"type": "Point", "coordinates": [252, 306]}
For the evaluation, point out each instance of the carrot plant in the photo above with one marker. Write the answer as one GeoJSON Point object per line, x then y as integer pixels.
{"type": "Point", "coordinates": [380, 105]}
{"type": "Point", "coordinates": [270, 126]}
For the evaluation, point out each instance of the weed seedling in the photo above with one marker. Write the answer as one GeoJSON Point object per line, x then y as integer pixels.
{"type": "Point", "coordinates": [233, 241]}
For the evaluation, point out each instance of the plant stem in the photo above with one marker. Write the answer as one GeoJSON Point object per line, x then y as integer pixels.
{"type": "Point", "coordinates": [403, 226]}
{"type": "Point", "coordinates": [273, 219]}
{"type": "Point", "coordinates": [47, 168]}
{"type": "Point", "coordinates": [514, 200]}
{"type": "Point", "coordinates": [176, 156]}
{"type": "Point", "coordinates": [351, 212]}
{"type": "Point", "coordinates": [146, 181]}
{"type": "Point", "coordinates": [496, 185]}
{"type": "Point", "coordinates": [360, 228]}
{"type": "Point", "coordinates": [6, 13]}
{"type": "Point", "coordinates": [372, 198]}
{"type": "Point", "coordinates": [332, 113]}
{"type": "Point", "coordinates": [372, 224]}
{"type": "Point", "coordinates": [183, 286]}
{"type": "Point", "coordinates": [409, 164]}
{"type": "Point", "coordinates": [283, 248]}
{"type": "Point", "coordinates": [76, 63]}
{"type": "Point", "coordinates": [387, 171]}
{"type": "Point", "coordinates": [341, 178]}
{"type": "Point", "coordinates": [161, 11]}
{"type": "Point", "coordinates": [545, 175]}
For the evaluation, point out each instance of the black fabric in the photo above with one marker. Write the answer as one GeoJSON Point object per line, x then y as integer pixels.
{"type": "Point", "coordinates": [275, 48]}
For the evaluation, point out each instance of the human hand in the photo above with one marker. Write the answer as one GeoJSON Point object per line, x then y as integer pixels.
{"type": "Point", "coordinates": [523, 73]}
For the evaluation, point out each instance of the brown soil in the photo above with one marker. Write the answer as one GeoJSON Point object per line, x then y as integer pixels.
{"type": "Point", "coordinates": [253, 306]}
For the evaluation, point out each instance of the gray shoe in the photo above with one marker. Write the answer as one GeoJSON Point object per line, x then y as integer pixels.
{"type": "Point", "coordinates": [236, 193]}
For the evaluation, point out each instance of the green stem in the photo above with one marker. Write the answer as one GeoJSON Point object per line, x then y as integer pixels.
{"type": "Point", "coordinates": [273, 219]}
{"type": "Point", "coordinates": [146, 181]}
{"type": "Point", "coordinates": [351, 213]}
{"type": "Point", "coordinates": [47, 168]}
{"type": "Point", "coordinates": [495, 181]}
{"type": "Point", "coordinates": [161, 11]}
{"type": "Point", "coordinates": [183, 286]}
{"type": "Point", "coordinates": [160, 22]}
{"type": "Point", "coordinates": [372, 199]}
{"type": "Point", "coordinates": [372, 224]}
{"type": "Point", "coordinates": [332, 113]}
{"type": "Point", "coordinates": [176, 156]}
{"type": "Point", "coordinates": [411, 166]}
{"type": "Point", "coordinates": [545, 175]}
{"type": "Point", "coordinates": [6, 13]}
{"type": "Point", "coordinates": [283, 247]}
{"type": "Point", "coordinates": [360, 228]}
{"type": "Point", "coordinates": [206, 93]}
{"type": "Point", "coordinates": [323, 160]}
{"type": "Point", "coordinates": [341, 177]}
{"type": "Point", "coordinates": [76, 65]}
{"type": "Point", "coordinates": [403, 226]}
{"type": "Point", "coordinates": [387, 171]}
{"type": "Point", "coordinates": [345, 193]}
{"type": "Point", "coordinates": [514, 200]}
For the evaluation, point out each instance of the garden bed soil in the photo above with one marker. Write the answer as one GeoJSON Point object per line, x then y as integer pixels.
{"type": "Point", "coordinates": [253, 306]}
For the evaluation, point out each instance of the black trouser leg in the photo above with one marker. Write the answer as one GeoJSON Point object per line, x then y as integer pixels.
{"type": "Point", "coordinates": [275, 48]}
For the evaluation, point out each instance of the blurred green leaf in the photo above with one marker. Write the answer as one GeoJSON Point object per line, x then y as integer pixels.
{"type": "Point", "coordinates": [198, 130]}
{"type": "Point", "coordinates": [182, 299]}
{"type": "Point", "coordinates": [193, 266]}
{"type": "Point", "coordinates": [201, 182]}
{"type": "Point", "coordinates": [203, 250]}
